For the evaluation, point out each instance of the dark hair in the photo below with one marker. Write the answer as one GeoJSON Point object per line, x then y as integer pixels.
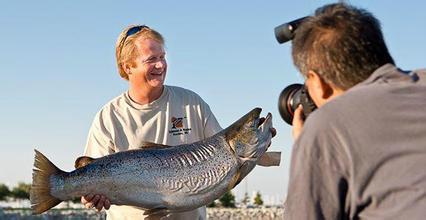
{"type": "Point", "coordinates": [341, 43]}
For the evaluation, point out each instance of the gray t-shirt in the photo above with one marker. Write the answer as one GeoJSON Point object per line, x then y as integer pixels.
{"type": "Point", "coordinates": [363, 154]}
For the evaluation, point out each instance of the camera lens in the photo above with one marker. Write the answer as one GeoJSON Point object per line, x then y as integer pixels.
{"type": "Point", "coordinates": [288, 101]}
{"type": "Point", "coordinates": [291, 97]}
{"type": "Point", "coordinates": [285, 32]}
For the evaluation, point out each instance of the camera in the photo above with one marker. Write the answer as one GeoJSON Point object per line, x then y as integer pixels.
{"type": "Point", "coordinates": [285, 32]}
{"type": "Point", "coordinates": [296, 94]}
{"type": "Point", "coordinates": [290, 98]}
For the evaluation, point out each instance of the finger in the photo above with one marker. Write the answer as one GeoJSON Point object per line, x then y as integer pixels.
{"type": "Point", "coordinates": [107, 204]}
{"type": "Point", "coordinates": [298, 116]}
{"type": "Point", "coordinates": [92, 203]}
{"type": "Point", "coordinates": [88, 205]}
{"type": "Point", "coordinates": [273, 131]}
{"type": "Point", "coordinates": [95, 200]}
{"type": "Point", "coordinates": [101, 203]}
{"type": "Point", "coordinates": [297, 122]}
{"type": "Point", "coordinates": [87, 198]}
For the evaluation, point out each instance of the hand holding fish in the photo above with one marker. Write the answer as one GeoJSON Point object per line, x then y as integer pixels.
{"type": "Point", "coordinates": [95, 201]}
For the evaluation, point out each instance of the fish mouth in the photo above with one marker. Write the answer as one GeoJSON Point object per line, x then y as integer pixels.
{"type": "Point", "coordinates": [257, 140]}
{"type": "Point", "coordinates": [249, 122]}
{"type": "Point", "coordinates": [263, 120]}
{"type": "Point", "coordinates": [265, 125]}
{"type": "Point", "coordinates": [262, 123]}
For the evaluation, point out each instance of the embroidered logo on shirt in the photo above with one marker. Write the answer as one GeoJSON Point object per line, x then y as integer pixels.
{"type": "Point", "coordinates": [177, 126]}
{"type": "Point", "coordinates": [177, 123]}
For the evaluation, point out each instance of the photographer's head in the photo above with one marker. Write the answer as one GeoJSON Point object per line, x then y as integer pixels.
{"type": "Point", "coordinates": [337, 48]}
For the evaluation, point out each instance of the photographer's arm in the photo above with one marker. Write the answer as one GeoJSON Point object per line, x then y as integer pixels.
{"type": "Point", "coordinates": [318, 187]}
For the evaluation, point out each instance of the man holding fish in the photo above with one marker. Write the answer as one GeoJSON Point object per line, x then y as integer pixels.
{"type": "Point", "coordinates": [148, 112]}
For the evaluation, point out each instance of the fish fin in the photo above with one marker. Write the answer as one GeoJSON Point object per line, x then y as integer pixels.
{"type": "Point", "coordinates": [40, 197]}
{"type": "Point", "coordinates": [235, 180]}
{"type": "Point", "coordinates": [83, 161]}
{"type": "Point", "coordinates": [146, 145]}
{"type": "Point", "coordinates": [242, 172]}
{"type": "Point", "coordinates": [269, 159]}
{"type": "Point", "coordinates": [245, 168]}
{"type": "Point", "coordinates": [156, 213]}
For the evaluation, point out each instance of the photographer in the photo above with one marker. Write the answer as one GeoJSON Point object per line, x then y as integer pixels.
{"type": "Point", "coordinates": [362, 153]}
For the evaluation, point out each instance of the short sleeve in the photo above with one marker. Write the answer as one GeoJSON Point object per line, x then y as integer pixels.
{"type": "Point", "coordinates": [99, 141]}
{"type": "Point", "coordinates": [211, 125]}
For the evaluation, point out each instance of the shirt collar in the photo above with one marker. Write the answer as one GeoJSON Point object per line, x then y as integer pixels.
{"type": "Point", "coordinates": [154, 104]}
{"type": "Point", "coordinates": [390, 73]}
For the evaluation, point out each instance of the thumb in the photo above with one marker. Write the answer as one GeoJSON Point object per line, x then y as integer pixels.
{"type": "Point", "coordinates": [298, 121]}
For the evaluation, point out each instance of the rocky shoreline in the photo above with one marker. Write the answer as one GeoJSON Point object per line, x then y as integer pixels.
{"type": "Point", "coordinates": [261, 213]}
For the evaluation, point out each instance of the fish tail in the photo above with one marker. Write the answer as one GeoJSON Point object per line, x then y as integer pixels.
{"type": "Point", "coordinates": [40, 197]}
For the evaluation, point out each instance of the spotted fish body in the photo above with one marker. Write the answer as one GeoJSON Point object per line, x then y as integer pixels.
{"type": "Point", "coordinates": [159, 178]}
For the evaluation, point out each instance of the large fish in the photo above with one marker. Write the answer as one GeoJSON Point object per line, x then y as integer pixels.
{"type": "Point", "coordinates": [159, 179]}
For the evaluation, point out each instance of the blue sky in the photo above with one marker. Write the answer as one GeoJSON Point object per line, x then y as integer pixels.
{"type": "Point", "coordinates": [58, 68]}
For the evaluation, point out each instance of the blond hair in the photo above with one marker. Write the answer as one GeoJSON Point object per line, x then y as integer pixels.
{"type": "Point", "coordinates": [125, 47]}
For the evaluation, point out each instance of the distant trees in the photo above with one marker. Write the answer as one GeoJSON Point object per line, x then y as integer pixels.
{"type": "Point", "coordinates": [4, 192]}
{"type": "Point", "coordinates": [21, 191]}
{"type": "Point", "coordinates": [228, 200]}
{"type": "Point", "coordinates": [246, 199]}
{"type": "Point", "coordinates": [258, 199]}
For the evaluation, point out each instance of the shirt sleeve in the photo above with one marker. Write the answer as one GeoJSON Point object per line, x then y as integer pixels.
{"type": "Point", "coordinates": [211, 125]}
{"type": "Point", "coordinates": [99, 141]}
{"type": "Point", "coordinates": [318, 188]}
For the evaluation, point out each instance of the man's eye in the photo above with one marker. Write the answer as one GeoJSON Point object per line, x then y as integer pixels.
{"type": "Point", "coordinates": [151, 60]}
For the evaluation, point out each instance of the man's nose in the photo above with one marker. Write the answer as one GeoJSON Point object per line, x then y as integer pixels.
{"type": "Point", "coordinates": [160, 64]}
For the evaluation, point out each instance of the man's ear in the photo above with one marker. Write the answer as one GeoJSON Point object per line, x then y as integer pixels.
{"type": "Point", "coordinates": [126, 68]}
{"type": "Point", "coordinates": [322, 88]}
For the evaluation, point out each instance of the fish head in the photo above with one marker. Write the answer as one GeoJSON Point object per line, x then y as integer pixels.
{"type": "Point", "coordinates": [250, 136]}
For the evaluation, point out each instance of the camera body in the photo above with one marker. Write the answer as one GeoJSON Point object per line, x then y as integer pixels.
{"type": "Point", "coordinates": [290, 98]}
{"type": "Point", "coordinates": [296, 94]}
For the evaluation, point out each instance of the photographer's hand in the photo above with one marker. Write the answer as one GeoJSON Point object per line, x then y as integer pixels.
{"type": "Point", "coordinates": [298, 121]}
